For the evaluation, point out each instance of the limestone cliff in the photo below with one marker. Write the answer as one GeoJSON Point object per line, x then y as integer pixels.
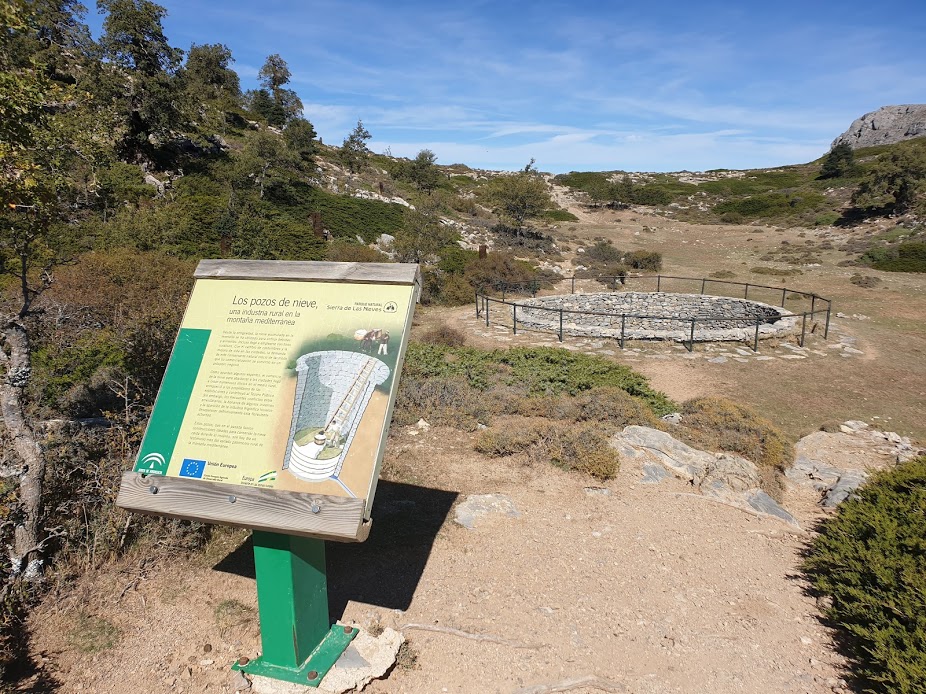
{"type": "Point", "coordinates": [885, 126]}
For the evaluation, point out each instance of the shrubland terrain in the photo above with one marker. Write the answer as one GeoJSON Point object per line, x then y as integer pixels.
{"type": "Point", "coordinates": [125, 160]}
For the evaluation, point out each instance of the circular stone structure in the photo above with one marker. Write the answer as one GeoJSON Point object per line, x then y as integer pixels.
{"type": "Point", "coordinates": [656, 316]}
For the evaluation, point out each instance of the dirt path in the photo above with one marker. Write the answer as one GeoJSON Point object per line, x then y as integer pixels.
{"type": "Point", "coordinates": [648, 587]}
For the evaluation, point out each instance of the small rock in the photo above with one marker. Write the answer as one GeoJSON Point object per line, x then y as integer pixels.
{"type": "Point", "coordinates": [423, 425]}
{"type": "Point", "coordinates": [480, 505]}
{"type": "Point", "coordinates": [206, 663]}
{"type": "Point", "coordinates": [672, 418]}
{"type": "Point", "coordinates": [239, 682]}
{"type": "Point", "coordinates": [597, 491]}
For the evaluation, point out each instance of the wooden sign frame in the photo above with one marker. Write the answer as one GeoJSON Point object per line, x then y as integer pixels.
{"type": "Point", "coordinates": [148, 489]}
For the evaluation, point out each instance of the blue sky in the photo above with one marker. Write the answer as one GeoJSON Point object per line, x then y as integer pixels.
{"type": "Point", "coordinates": [640, 86]}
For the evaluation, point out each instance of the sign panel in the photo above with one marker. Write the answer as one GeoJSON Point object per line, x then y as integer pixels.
{"type": "Point", "coordinates": [283, 385]}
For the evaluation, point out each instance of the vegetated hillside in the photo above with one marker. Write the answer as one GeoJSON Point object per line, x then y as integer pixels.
{"type": "Point", "coordinates": [846, 188]}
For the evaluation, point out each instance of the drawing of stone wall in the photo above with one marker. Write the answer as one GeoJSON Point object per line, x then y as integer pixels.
{"type": "Point", "coordinates": [333, 389]}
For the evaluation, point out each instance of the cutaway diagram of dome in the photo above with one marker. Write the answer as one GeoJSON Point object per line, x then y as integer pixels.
{"type": "Point", "coordinates": [333, 389]}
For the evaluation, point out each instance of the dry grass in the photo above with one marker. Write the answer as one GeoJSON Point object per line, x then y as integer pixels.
{"type": "Point", "coordinates": [579, 446]}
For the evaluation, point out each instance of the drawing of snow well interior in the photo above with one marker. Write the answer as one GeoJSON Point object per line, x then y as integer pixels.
{"type": "Point", "coordinates": [333, 389]}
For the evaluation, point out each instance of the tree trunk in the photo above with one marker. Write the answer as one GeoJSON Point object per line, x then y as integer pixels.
{"type": "Point", "coordinates": [15, 356]}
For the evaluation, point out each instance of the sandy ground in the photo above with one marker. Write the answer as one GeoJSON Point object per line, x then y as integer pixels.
{"type": "Point", "coordinates": [648, 587]}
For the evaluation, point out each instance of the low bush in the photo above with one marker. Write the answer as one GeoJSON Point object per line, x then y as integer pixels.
{"type": "Point", "coordinates": [584, 447]}
{"type": "Point", "coordinates": [865, 281]}
{"type": "Point", "coordinates": [774, 271]}
{"type": "Point", "coordinates": [644, 260]}
{"type": "Point", "coordinates": [444, 334]}
{"type": "Point", "coordinates": [909, 256]}
{"type": "Point", "coordinates": [870, 559]}
{"type": "Point", "coordinates": [718, 424]}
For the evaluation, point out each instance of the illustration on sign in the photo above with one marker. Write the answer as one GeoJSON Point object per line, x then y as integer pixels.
{"type": "Point", "coordinates": [280, 385]}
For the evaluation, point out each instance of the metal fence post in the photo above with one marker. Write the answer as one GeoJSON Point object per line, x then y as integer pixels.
{"type": "Point", "coordinates": [784, 293]}
{"type": "Point", "coordinates": [746, 293]}
{"type": "Point", "coordinates": [573, 285]}
{"type": "Point", "coordinates": [561, 325]}
{"type": "Point", "coordinates": [826, 329]}
{"type": "Point", "coordinates": [755, 342]}
{"type": "Point", "coordinates": [623, 325]}
{"type": "Point", "coordinates": [691, 339]}
{"type": "Point", "coordinates": [803, 328]}
{"type": "Point", "coordinates": [477, 304]}
{"type": "Point", "coordinates": [487, 311]}
{"type": "Point", "coordinates": [703, 282]}
{"type": "Point", "coordinates": [658, 283]}
{"type": "Point", "coordinates": [514, 319]}
{"type": "Point", "coordinates": [813, 303]}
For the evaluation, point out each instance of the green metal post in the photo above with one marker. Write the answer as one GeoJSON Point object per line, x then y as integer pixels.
{"type": "Point", "coordinates": [298, 642]}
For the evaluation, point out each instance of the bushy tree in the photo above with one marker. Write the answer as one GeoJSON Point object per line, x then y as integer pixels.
{"type": "Point", "coordinates": [423, 173]}
{"type": "Point", "coordinates": [274, 102]}
{"type": "Point", "coordinates": [422, 236]}
{"type": "Point", "coordinates": [517, 198]}
{"type": "Point", "coordinates": [209, 77]}
{"type": "Point", "coordinates": [354, 152]}
{"type": "Point", "coordinates": [897, 179]}
{"type": "Point", "coordinates": [838, 162]}
{"type": "Point", "coordinates": [139, 75]}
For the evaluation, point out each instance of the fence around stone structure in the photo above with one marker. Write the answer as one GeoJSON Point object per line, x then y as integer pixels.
{"type": "Point", "coordinates": [686, 317]}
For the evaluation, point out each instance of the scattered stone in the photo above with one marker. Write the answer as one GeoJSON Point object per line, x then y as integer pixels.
{"type": "Point", "coordinates": [480, 505]}
{"type": "Point", "coordinates": [422, 425]}
{"type": "Point", "coordinates": [239, 682]}
{"type": "Point", "coordinates": [718, 360]}
{"type": "Point", "coordinates": [597, 491]}
{"type": "Point", "coordinates": [672, 418]}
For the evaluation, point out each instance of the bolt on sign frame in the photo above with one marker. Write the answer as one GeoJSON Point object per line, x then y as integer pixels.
{"type": "Point", "coordinates": [273, 415]}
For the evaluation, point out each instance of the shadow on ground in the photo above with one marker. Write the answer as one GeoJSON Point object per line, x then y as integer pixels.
{"type": "Point", "coordinates": [386, 569]}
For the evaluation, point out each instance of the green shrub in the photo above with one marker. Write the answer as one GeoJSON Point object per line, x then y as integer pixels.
{"type": "Point", "coordinates": [871, 560]}
{"type": "Point", "coordinates": [644, 260]}
{"type": "Point", "coordinates": [909, 256]}
{"type": "Point", "coordinates": [559, 216]}
{"type": "Point", "coordinates": [602, 252]}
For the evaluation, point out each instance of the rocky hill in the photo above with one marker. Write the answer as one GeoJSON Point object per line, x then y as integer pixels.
{"type": "Point", "coordinates": [887, 125]}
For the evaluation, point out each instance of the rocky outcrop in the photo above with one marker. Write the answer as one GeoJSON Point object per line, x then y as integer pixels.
{"type": "Point", "coordinates": [835, 464]}
{"type": "Point", "coordinates": [723, 476]}
{"type": "Point", "coordinates": [887, 125]}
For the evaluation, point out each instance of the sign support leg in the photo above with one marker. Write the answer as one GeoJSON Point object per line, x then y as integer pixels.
{"type": "Point", "coordinates": [298, 641]}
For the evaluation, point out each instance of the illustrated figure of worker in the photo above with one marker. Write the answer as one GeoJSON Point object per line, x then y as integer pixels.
{"type": "Point", "coordinates": [383, 343]}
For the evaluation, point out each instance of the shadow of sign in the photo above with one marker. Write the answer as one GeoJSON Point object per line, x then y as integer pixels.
{"type": "Point", "coordinates": [386, 569]}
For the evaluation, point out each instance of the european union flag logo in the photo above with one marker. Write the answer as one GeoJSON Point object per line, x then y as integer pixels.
{"type": "Point", "coordinates": [192, 468]}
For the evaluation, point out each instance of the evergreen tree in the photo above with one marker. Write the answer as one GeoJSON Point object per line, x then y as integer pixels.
{"type": "Point", "coordinates": [354, 152]}
{"type": "Point", "coordinates": [423, 173]}
{"type": "Point", "coordinates": [838, 162]}
{"type": "Point", "coordinates": [139, 75]}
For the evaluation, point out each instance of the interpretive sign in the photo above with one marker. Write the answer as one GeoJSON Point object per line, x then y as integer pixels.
{"type": "Point", "coordinates": [276, 402]}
